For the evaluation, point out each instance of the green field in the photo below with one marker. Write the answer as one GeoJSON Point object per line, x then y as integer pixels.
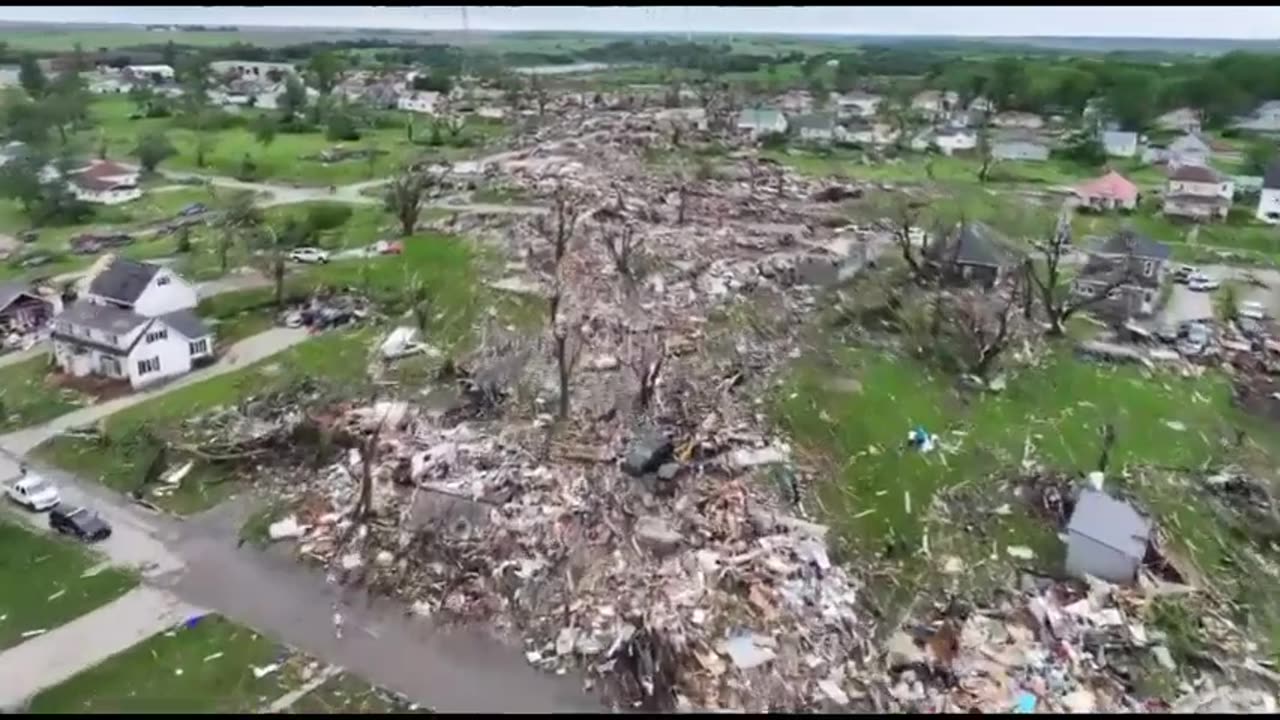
{"type": "Point", "coordinates": [289, 158]}
{"type": "Point", "coordinates": [45, 583]}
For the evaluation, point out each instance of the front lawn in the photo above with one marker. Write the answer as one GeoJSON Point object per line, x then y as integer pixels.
{"type": "Point", "coordinates": [47, 582]}
{"type": "Point", "coordinates": [203, 669]}
{"type": "Point", "coordinates": [28, 398]}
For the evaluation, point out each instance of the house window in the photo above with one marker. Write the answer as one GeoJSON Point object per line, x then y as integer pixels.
{"type": "Point", "coordinates": [199, 347]}
{"type": "Point", "coordinates": [1113, 294]}
{"type": "Point", "coordinates": [159, 334]}
{"type": "Point", "coordinates": [162, 280]}
{"type": "Point", "coordinates": [1148, 268]}
{"type": "Point", "coordinates": [115, 339]}
{"type": "Point", "coordinates": [148, 366]}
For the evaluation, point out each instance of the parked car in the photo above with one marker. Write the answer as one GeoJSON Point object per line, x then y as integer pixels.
{"type": "Point", "coordinates": [79, 522]}
{"type": "Point", "coordinates": [34, 493]}
{"type": "Point", "coordinates": [1202, 283]}
{"type": "Point", "coordinates": [387, 247]}
{"type": "Point", "coordinates": [1253, 310]}
{"type": "Point", "coordinates": [309, 255]}
{"type": "Point", "coordinates": [1167, 332]}
{"type": "Point", "coordinates": [1183, 274]}
{"type": "Point", "coordinates": [193, 209]}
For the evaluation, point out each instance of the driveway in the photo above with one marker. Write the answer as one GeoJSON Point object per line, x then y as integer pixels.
{"type": "Point", "coordinates": [1184, 304]}
{"type": "Point", "coordinates": [247, 351]}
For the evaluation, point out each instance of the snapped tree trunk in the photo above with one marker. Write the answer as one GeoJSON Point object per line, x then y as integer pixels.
{"type": "Point", "coordinates": [565, 372]}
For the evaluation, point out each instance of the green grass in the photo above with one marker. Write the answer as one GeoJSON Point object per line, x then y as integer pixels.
{"type": "Point", "coordinates": [43, 584]}
{"type": "Point", "coordinates": [169, 673]}
{"type": "Point", "coordinates": [27, 398]}
{"type": "Point", "coordinates": [289, 158]}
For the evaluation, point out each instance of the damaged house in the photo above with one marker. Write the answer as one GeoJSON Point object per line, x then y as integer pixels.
{"type": "Point", "coordinates": [1129, 268]}
{"type": "Point", "coordinates": [23, 310]}
{"type": "Point", "coordinates": [135, 323]}
{"type": "Point", "coordinates": [975, 253]}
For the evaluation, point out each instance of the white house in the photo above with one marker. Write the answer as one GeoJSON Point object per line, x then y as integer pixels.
{"type": "Point", "coordinates": [1269, 198]}
{"type": "Point", "coordinates": [1120, 143]}
{"type": "Point", "coordinates": [419, 101]}
{"type": "Point", "coordinates": [105, 183]}
{"type": "Point", "coordinates": [817, 127]}
{"type": "Point", "coordinates": [857, 104]}
{"type": "Point", "coordinates": [761, 121]}
{"type": "Point", "coordinates": [1198, 192]}
{"type": "Point", "coordinates": [934, 104]}
{"type": "Point", "coordinates": [1264, 119]}
{"type": "Point", "coordinates": [152, 73]}
{"type": "Point", "coordinates": [864, 133]}
{"type": "Point", "coordinates": [949, 140]}
{"type": "Point", "coordinates": [1184, 119]}
{"type": "Point", "coordinates": [135, 323]}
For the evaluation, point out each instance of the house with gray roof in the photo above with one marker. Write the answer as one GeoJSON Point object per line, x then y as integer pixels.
{"type": "Point", "coordinates": [1106, 538]}
{"type": "Point", "coordinates": [135, 323]}
{"type": "Point", "coordinates": [23, 310]}
{"type": "Point", "coordinates": [1264, 119]}
{"type": "Point", "coordinates": [973, 253]}
{"type": "Point", "coordinates": [761, 121]}
{"type": "Point", "coordinates": [1123, 274]}
{"type": "Point", "coordinates": [815, 127]}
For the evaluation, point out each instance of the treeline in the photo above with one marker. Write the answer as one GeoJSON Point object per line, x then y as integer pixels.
{"type": "Point", "coordinates": [1133, 92]}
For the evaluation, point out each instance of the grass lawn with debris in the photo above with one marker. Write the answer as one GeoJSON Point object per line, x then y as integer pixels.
{"type": "Point", "coordinates": [121, 461]}
{"type": "Point", "coordinates": [203, 669]}
{"type": "Point", "coordinates": [27, 397]}
{"type": "Point", "coordinates": [44, 582]}
{"type": "Point", "coordinates": [344, 693]}
{"type": "Point", "coordinates": [851, 416]}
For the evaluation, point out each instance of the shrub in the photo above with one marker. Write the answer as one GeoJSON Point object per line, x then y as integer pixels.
{"type": "Point", "coordinates": [327, 216]}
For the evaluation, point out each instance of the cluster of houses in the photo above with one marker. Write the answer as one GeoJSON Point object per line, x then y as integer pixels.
{"type": "Point", "coordinates": [131, 321]}
{"type": "Point", "coordinates": [101, 182]}
{"type": "Point", "coordinates": [977, 254]}
{"type": "Point", "coordinates": [856, 118]}
{"type": "Point", "coordinates": [1193, 191]}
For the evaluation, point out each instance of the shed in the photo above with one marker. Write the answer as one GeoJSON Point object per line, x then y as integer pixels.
{"type": "Point", "coordinates": [1106, 538]}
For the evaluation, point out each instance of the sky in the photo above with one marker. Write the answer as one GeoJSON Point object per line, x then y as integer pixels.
{"type": "Point", "coordinates": [1256, 22]}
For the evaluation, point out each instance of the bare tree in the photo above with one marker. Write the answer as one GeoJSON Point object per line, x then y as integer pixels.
{"type": "Point", "coordinates": [408, 192]}
{"type": "Point", "coordinates": [558, 225]}
{"type": "Point", "coordinates": [622, 244]}
{"type": "Point", "coordinates": [905, 217]}
{"type": "Point", "coordinates": [271, 259]}
{"type": "Point", "coordinates": [240, 219]}
{"type": "Point", "coordinates": [646, 363]}
{"type": "Point", "coordinates": [568, 350]}
{"type": "Point", "coordinates": [364, 505]}
{"type": "Point", "coordinates": [983, 322]}
{"type": "Point", "coordinates": [1056, 297]}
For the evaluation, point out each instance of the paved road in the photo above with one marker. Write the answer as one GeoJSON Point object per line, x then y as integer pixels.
{"type": "Point", "coordinates": [1184, 304]}
{"type": "Point", "coordinates": [246, 351]}
{"type": "Point", "coordinates": [49, 659]}
{"type": "Point", "coordinates": [198, 562]}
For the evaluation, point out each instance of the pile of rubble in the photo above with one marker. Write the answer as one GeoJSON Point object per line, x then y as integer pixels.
{"type": "Point", "coordinates": [682, 586]}
{"type": "Point", "coordinates": [325, 311]}
{"type": "Point", "coordinates": [1059, 647]}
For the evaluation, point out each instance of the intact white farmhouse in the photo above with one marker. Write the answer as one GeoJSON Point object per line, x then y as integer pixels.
{"type": "Point", "coordinates": [105, 183]}
{"type": "Point", "coordinates": [135, 323]}
{"type": "Point", "coordinates": [1269, 198]}
{"type": "Point", "coordinates": [419, 101]}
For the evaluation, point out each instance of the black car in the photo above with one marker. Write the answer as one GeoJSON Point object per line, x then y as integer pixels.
{"type": "Point", "coordinates": [80, 522]}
